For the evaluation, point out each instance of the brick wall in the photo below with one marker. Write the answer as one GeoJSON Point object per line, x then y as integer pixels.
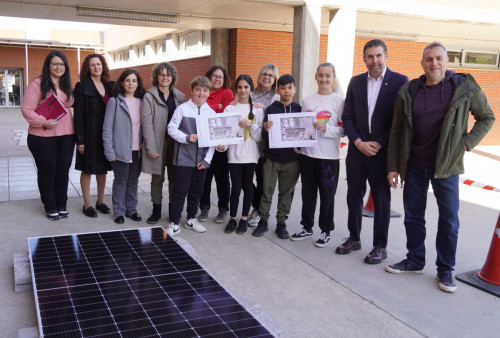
{"type": "Point", "coordinates": [187, 70]}
{"type": "Point", "coordinates": [404, 57]}
{"type": "Point", "coordinates": [14, 57]}
{"type": "Point", "coordinates": [250, 49]}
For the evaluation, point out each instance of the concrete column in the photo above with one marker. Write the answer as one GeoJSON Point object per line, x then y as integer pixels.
{"type": "Point", "coordinates": [341, 38]}
{"type": "Point", "coordinates": [219, 48]}
{"type": "Point", "coordinates": [305, 52]}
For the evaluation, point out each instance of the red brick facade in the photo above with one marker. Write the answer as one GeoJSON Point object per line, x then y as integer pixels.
{"type": "Point", "coordinates": [250, 49]}
{"type": "Point", "coordinates": [187, 70]}
{"type": "Point", "coordinates": [14, 57]}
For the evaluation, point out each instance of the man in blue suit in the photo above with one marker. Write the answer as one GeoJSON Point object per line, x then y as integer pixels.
{"type": "Point", "coordinates": [367, 118]}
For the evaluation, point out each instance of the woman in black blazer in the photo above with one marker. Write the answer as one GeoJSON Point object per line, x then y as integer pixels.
{"type": "Point", "coordinates": [91, 95]}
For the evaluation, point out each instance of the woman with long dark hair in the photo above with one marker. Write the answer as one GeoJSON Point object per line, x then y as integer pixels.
{"type": "Point", "coordinates": [220, 97]}
{"type": "Point", "coordinates": [121, 134]}
{"type": "Point", "coordinates": [157, 108]}
{"type": "Point", "coordinates": [91, 96]}
{"type": "Point", "coordinates": [51, 141]}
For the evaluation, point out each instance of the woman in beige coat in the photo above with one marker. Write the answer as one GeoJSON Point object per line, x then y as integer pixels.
{"type": "Point", "coordinates": [157, 108]}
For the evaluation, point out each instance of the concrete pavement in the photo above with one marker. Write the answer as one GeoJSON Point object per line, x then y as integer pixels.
{"type": "Point", "coordinates": [307, 291]}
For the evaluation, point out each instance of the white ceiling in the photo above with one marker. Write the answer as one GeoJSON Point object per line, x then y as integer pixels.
{"type": "Point", "coordinates": [278, 15]}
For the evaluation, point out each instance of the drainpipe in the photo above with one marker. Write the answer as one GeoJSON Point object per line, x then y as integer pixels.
{"type": "Point", "coordinates": [26, 64]}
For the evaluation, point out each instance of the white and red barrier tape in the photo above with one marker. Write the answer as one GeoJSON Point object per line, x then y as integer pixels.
{"type": "Point", "coordinates": [478, 185]}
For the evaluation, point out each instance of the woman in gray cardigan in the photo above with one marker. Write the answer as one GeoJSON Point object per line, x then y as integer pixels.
{"type": "Point", "coordinates": [157, 108]}
{"type": "Point", "coordinates": [121, 134]}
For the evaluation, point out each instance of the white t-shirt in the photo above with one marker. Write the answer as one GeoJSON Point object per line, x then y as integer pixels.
{"type": "Point", "coordinates": [328, 109]}
{"type": "Point", "coordinates": [247, 152]}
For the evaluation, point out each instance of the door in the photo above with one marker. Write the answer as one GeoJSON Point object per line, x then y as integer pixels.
{"type": "Point", "coordinates": [10, 87]}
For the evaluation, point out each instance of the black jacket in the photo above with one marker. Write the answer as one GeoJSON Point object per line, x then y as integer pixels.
{"type": "Point", "coordinates": [281, 155]}
{"type": "Point", "coordinates": [89, 110]}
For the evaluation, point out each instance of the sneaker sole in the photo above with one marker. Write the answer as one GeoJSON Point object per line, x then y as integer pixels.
{"type": "Point", "coordinates": [320, 245]}
{"type": "Point", "coordinates": [187, 226]}
{"type": "Point", "coordinates": [151, 222]}
{"type": "Point", "coordinates": [391, 270]}
{"type": "Point", "coordinates": [220, 220]}
{"type": "Point", "coordinates": [442, 287]}
{"type": "Point", "coordinates": [202, 219]}
{"type": "Point", "coordinates": [299, 238]}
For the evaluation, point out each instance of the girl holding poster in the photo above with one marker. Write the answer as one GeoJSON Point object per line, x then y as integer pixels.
{"type": "Point", "coordinates": [243, 157]}
{"type": "Point", "coordinates": [319, 166]}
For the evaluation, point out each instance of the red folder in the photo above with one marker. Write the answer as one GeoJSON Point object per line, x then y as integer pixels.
{"type": "Point", "coordinates": [51, 109]}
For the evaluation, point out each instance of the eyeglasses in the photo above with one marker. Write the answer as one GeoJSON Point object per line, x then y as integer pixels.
{"type": "Point", "coordinates": [55, 65]}
{"type": "Point", "coordinates": [162, 75]}
{"type": "Point", "coordinates": [217, 77]}
{"type": "Point", "coordinates": [267, 75]}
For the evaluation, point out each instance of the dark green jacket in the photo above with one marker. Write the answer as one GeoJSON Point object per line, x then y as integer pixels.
{"type": "Point", "coordinates": [467, 97]}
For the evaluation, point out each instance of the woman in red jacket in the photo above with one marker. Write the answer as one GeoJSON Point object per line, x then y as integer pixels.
{"type": "Point", "coordinates": [220, 97]}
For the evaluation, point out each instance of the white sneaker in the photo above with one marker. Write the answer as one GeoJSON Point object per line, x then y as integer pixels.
{"type": "Point", "coordinates": [173, 229]}
{"type": "Point", "coordinates": [193, 224]}
{"type": "Point", "coordinates": [254, 218]}
{"type": "Point", "coordinates": [323, 240]}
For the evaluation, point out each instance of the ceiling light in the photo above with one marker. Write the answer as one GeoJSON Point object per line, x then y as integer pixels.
{"type": "Point", "coordinates": [127, 14]}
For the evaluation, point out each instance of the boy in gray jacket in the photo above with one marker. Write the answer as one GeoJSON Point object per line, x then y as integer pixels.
{"type": "Point", "coordinates": [190, 161]}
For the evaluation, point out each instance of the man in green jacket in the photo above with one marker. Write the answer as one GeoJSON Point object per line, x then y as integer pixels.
{"type": "Point", "coordinates": [427, 144]}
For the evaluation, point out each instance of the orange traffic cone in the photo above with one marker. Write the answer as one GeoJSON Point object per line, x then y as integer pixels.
{"type": "Point", "coordinates": [491, 269]}
{"type": "Point", "coordinates": [487, 279]}
{"type": "Point", "coordinates": [368, 209]}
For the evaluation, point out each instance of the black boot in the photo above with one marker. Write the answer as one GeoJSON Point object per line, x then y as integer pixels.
{"type": "Point", "coordinates": [156, 215]}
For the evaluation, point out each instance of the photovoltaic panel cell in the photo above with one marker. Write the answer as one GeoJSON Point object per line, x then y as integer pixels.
{"type": "Point", "coordinates": [130, 283]}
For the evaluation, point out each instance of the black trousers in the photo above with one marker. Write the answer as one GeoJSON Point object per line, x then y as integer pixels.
{"type": "Point", "coordinates": [188, 182]}
{"type": "Point", "coordinates": [323, 176]}
{"type": "Point", "coordinates": [374, 169]}
{"type": "Point", "coordinates": [53, 156]}
{"type": "Point", "coordinates": [220, 170]}
{"type": "Point", "coordinates": [241, 179]}
{"type": "Point", "coordinates": [257, 189]}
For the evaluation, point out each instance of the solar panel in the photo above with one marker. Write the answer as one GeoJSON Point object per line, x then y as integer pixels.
{"type": "Point", "coordinates": [130, 283]}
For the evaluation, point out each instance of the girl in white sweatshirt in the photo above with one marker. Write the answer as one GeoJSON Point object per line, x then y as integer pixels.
{"type": "Point", "coordinates": [243, 157]}
{"type": "Point", "coordinates": [319, 166]}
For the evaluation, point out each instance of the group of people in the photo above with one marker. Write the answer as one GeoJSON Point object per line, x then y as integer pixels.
{"type": "Point", "coordinates": [413, 130]}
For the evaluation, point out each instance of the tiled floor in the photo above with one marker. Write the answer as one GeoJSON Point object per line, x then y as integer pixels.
{"type": "Point", "coordinates": [18, 180]}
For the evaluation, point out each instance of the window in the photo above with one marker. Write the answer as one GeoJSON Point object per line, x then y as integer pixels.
{"type": "Point", "coordinates": [479, 58]}
{"type": "Point", "coordinates": [473, 58]}
{"type": "Point", "coordinates": [141, 52]}
{"type": "Point", "coordinates": [455, 57]}
{"type": "Point", "coordinates": [161, 48]}
{"type": "Point", "coordinates": [190, 43]}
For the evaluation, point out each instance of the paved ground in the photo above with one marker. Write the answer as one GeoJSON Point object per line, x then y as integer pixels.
{"type": "Point", "coordinates": [307, 291]}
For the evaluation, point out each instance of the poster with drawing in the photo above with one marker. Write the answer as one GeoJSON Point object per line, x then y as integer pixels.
{"type": "Point", "coordinates": [219, 129]}
{"type": "Point", "coordinates": [293, 130]}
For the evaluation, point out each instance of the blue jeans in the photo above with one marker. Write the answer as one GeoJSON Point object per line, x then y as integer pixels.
{"type": "Point", "coordinates": [415, 199]}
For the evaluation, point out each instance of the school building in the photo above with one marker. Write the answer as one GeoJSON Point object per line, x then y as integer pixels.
{"type": "Point", "coordinates": [242, 35]}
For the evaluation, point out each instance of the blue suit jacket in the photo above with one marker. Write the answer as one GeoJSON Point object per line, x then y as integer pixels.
{"type": "Point", "coordinates": [355, 115]}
